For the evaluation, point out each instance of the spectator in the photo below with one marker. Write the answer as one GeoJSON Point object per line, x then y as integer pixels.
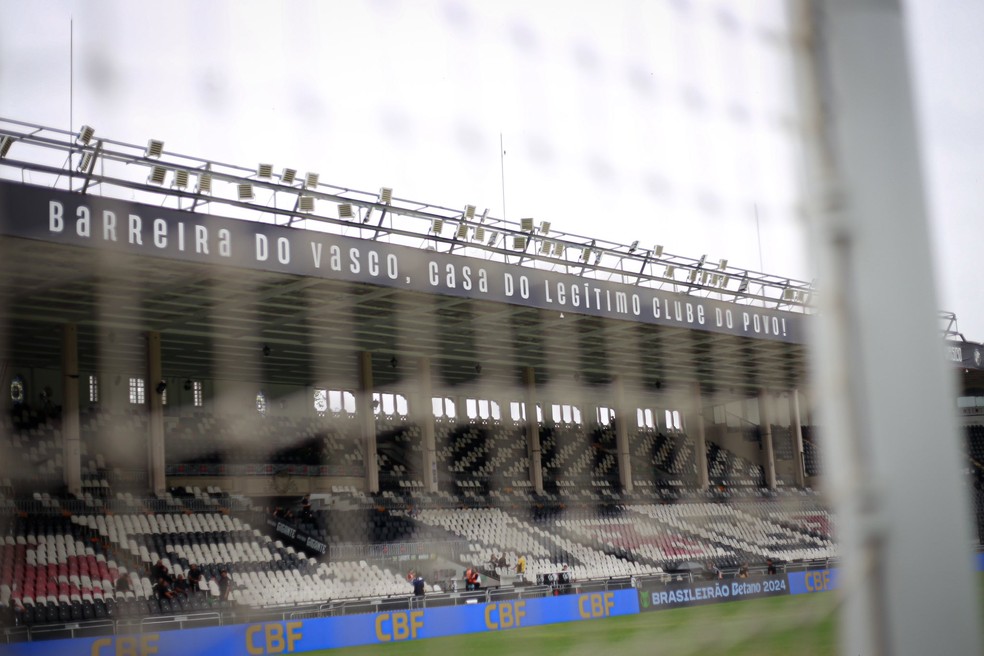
{"type": "Point", "coordinates": [743, 571]}
{"type": "Point", "coordinates": [521, 565]}
{"type": "Point", "coordinates": [474, 582]}
{"type": "Point", "coordinates": [163, 589]}
{"type": "Point", "coordinates": [159, 571]}
{"type": "Point", "coordinates": [772, 567]}
{"type": "Point", "coordinates": [565, 580]}
{"type": "Point", "coordinates": [468, 579]}
{"type": "Point", "coordinates": [194, 578]}
{"type": "Point", "coordinates": [418, 585]}
{"type": "Point", "coordinates": [225, 585]}
{"type": "Point", "coordinates": [122, 583]}
{"type": "Point", "coordinates": [181, 586]}
{"type": "Point", "coordinates": [502, 560]}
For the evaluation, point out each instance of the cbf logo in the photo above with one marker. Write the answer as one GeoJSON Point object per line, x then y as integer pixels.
{"type": "Point", "coordinates": [644, 599]}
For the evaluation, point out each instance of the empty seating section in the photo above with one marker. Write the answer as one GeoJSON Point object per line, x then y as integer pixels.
{"type": "Point", "coordinates": [203, 440]}
{"type": "Point", "coordinates": [739, 532]}
{"type": "Point", "coordinates": [728, 469]}
{"type": "Point", "coordinates": [811, 453]}
{"type": "Point", "coordinates": [485, 455]}
{"type": "Point", "coordinates": [661, 460]}
{"type": "Point", "coordinates": [400, 454]}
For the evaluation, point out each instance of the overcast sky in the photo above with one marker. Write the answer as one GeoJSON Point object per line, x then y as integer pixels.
{"type": "Point", "coordinates": [668, 121]}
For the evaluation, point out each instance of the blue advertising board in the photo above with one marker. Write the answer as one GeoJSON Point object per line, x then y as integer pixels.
{"type": "Point", "coordinates": [810, 581]}
{"type": "Point", "coordinates": [289, 637]}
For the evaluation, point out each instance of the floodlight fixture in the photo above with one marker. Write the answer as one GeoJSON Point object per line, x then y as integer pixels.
{"type": "Point", "coordinates": [155, 148]}
{"type": "Point", "coordinates": [245, 191]}
{"type": "Point", "coordinates": [544, 227]}
{"type": "Point", "coordinates": [305, 203]}
{"type": "Point", "coordinates": [311, 180]}
{"type": "Point", "coordinates": [725, 281]}
{"type": "Point", "coordinates": [181, 178]}
{"type": "Point", "coordinates": [479, 234]}
{"type": "Point", "coordinates": [264, 171]}
{"type": "Point", "coordinates": [546, 247]}
{"type": "Point", "coordinates": [85, 135]}
{"type": "Point", "coordinates": [526, 225]}
{"type": "Point", "coordinates": [787, 294]}
{"type": "Point", "coordinates": [586, 254]}
{"type": "Point", "coordinates": [597, 258]}
{"type": "Point", "coordinates": [559, 249]}
{"type": "Point", "coordinates": [670, 271]}
{"type": "Point", "coordinates": [437, 225]}
{"type": "Point", "coordinates": [493, 236]}
{"type": "Point", "coordinates": [519, 242]}
{"type": "Point", "coordinates": [743, 286]}
{"type": "Point", "coordinates": [470, 212]}
{"type": "Point", "coordinates": [345, 211]}
{"type": "Point", "coordinates": [462, 232]}
{"type": "Point", "coordinates": [287, 176]}
{"type": "Point", "coordinates": [658, 252]}
{"type": "Point", "coordinates": [722, 265]}
{"type": "Point", "coordinates": [634, 246]}
{"type": "Point", "coordinates": [85, 162]}
{"type": "Point", "coordinates": [157, 175]}
{"type": "Point", "coordinates": [386, 195]}
{"type": "Point", "coordinates": [700, 262]}
{"type": "Point", "coordinates": [693, 275]}
{"type": "Point", "coordinates": [6, 141]}
{"type": "Point", "coordinates": [205, 182]}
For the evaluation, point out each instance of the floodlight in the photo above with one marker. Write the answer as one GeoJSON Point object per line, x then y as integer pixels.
{"type": "Point", "coordinates": [155, 148]}
{"type": "Point", "coordinates": [469, 212]}
{"type": "Point", "coordinates": [437, 225]}
{"type": "Point", "coordinates": [311, 180]}
{"type": "Point", "coordinates": [726, 281]}
{"type": "Point", "coordinates": [85, 162]}
{"type": "Point", "coordinates": [597, 258]}
{"type": "Point", "coordinates": [526, 225]}
{"type": "Point", "coordinates": [305, 203]}
{"type": "Point", "coordinates": [204, 182]}
{"type": "Point", "coordinates": [6, 142]}
{"type": "Point", "coordinates": [703, 277]}
{"type": "Point", "coordinates": [722, 265]}
{"type": "Point", "coordinates": [462, 231]}
{"type": "Point", "coordinates": [345, 211]}
{"type": "Point", "coordinates": [157, 175]}
{"type": "Point", "coordinates": [558, 249]}
{"type": "Point", "coordinates": [787, 294]}
{"type": "Point", "coordinates": [85, 135]}
{"type": "Point", "coordinates": [181, 177]}
{"type": "Point", "coordinates": [546, 247]}
{"type": "Point", "coordinates": [264, 171]}
{"type": "Point", "coordinates": [670, 271]}
{"type": "Point", "coordinates": [700, 262]}
{"type": "Point", "coordinates": [519, 242]}
{"type": "Point", "coordinates": [634, 246]}
{"type": "Point", "coordinates": [659, 251]}
{"type": "Point", "coordinates": [493, 235]}
{"type": "Point", "coordinates": [693, 275]}
{"type": "Point", "coordinates": [245, 191]}
{"type": "Point", "coordinates": [743, 287]}
{"type": "Point", "coordinates": [479, 234]}
{"type": "Point", "coordinates": [385, 195]}
{"type": "Point", "coordinates": [544, 227]}
{"type": "Point", "coordinates": [586, 254]}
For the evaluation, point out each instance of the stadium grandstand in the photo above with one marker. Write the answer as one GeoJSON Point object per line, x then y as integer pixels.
{"type": "Point", "coordinates": [285, 395]}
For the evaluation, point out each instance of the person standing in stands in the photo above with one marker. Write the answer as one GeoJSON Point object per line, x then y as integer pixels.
{"type": "Point", "coordinates": [194, 578]}
{"type": "Point", "coordinates": [521, 565]}
{"type": "Point", "coordinates": [772, 566]}
{"type": "Point", "coordinates": [468, 580]}
{"type": "Point", "coordinates": [225, 585]}
{"type": "Point", "coordinates": [418, 586]}
{"type": "Point", "coordinates": [475, 581]}
{"type": "Point", "coordinates": [159, 571]}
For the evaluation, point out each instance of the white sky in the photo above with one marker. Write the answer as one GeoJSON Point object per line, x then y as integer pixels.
{"type": "Point", "coordinates": [667, 121]}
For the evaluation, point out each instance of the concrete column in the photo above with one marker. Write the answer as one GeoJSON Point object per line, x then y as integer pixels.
{"type": "Point", "coordinates": [532, 430]}
{"type": "Point", "coordinates": [367, 420]}
{"type": "Point", "coordinates": [765, 423]}
{"type": "Point", "coordinates": [622, 421]}
{"type": "Point", "coordinates": [794, 415]}
{"type": "Point", "coordinates": [425, 417]}
{"type": "Point", "coordinates": [71, 438]}
{"type": "Point", "coordinates": [700, 440]}
{"type": "Point", "coordinates": [156, 417]}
